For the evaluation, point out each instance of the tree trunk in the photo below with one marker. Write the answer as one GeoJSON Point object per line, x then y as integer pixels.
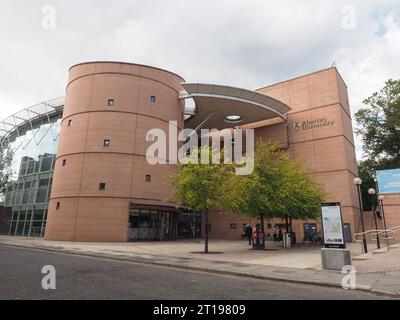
{"type": "Point", "coordinates": [206, 232]}
{"type": "Point", "coordinates": [262, 224]}
{"type": "Point", "coordinates": [287, 223]}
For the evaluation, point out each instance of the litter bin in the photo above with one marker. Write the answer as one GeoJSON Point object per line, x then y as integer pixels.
{"type": "Point", "coordinates": [287, 241]}
{"type": "Point", "coordinates": [258, 241]}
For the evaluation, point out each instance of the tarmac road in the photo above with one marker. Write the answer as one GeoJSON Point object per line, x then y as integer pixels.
{"type": "Point", "coordinates": [79, 277]}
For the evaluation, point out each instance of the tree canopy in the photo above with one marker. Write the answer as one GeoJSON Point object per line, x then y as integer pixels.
{"type": "Point", "coordinates": [277, 188]}
{"type": "Point", "coordinates": [379, 127]}
{"type": "Point", "coordinates": [5, 169]}
{"type": "Point", "coordinates": [200, 186]}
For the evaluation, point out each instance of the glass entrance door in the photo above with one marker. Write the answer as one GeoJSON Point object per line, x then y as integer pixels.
{"type": "Point", "coordinates": [151, 225]}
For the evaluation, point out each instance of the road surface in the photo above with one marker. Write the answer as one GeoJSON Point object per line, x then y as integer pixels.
{"type": "Point", "coordinates": [79, 277]}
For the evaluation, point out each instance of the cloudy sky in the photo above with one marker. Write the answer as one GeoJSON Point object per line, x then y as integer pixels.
{"type": "Point", "coordinates": [247, 43]}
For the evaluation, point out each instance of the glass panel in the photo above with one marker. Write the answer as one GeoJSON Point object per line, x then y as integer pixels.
{"type": "Point", "coordinates": [36, 228]}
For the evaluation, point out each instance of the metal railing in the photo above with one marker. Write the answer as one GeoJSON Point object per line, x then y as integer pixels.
{"type": "Point", "coordinates": [372, 235]}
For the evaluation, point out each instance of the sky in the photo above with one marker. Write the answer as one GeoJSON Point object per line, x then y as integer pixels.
{"type": "Point", "coordinates": [245, 43]}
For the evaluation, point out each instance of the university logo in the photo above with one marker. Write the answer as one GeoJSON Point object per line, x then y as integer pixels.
{"type": "Point", "coordinates": [296, 126]}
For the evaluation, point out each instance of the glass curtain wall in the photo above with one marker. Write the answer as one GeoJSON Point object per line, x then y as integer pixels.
{"type": "Point", "coordinates": [33, 148]}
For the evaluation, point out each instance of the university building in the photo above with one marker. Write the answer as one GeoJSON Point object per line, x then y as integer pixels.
{"type": "Point", "coordinates": [98, 184]}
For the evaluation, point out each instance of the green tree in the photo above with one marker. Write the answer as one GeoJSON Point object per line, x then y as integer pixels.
{"type": "Point", "coordinates": [379, 126]}
{"type": "Point", "coordinates": [200, 186]}
{"type": "Point", "coordinates": [5, 169]}
{"type": "Point", "coordinates": [278, 188]}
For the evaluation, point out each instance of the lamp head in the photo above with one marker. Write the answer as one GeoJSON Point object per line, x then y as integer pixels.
{"type": "Point", "coordinates": [371, 191]}
{"type": "Point", "coordinates": [381, 198]}
{"type": "Point", "coordinates": [357, 181]}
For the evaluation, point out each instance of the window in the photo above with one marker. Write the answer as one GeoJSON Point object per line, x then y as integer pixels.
{"type": "Point", "coordinates": [69, 123]}
{"type": "Point", "coordinates": [102, 186]}
{"type": "Point", "coordinates": [64, 163]}
{"type": "Point", "coordinates": [153, 99]}
{"type": "Point", "coordinates": [150, 137]}
{"type": "Point", "coordinates": [106, 142]}
{"type": "Point", "coordinates": [58, 205]}
{"type": "Point", "coordinates": [110, 102]}
{"type": "Point", "coordinates": [233, 225]}
{"type": "Point", "coordinates": [148, 178]}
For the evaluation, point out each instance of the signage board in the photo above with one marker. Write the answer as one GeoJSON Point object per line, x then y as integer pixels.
{"type": "Point", "coordinates": [332, 225]}
{"type": "Point", "coordinates": [388, 181]}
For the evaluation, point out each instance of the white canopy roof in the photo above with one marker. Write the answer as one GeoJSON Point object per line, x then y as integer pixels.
{"type": "Point", "coordinates": [220, 107]}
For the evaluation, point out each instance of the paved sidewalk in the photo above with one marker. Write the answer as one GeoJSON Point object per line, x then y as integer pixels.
{"type": "Point", "coordinates": [301, 265]}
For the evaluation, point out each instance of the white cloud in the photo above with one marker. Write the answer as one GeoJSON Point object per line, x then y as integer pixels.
{"type": "Point", "coordinates": [249, 43]}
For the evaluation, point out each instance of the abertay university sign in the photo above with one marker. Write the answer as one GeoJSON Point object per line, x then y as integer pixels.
{"type": "Point", "coordinates": [313, 124]}
{"type": "Point", "coordinates": [388, 181]}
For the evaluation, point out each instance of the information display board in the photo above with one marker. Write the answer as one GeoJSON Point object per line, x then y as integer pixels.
{"type": "Point", "coordinates": [332, 225]}
{"type": "Point", "coordinates": [388, 181]}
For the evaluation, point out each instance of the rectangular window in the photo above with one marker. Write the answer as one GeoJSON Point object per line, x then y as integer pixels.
{"type": "Point", "coordinates": [58, 205]}
{"type": "Point", "coordinates": [150, 137]}
{"type": "Point", "coordinates": [102, 186]}
{"type": "Point", "coordinates": [148, 178]}
{"type": "Point", "coordinates": [233, 225]}
{"type": "Point", "coordinates": [110, 102]}
{"type": "Point", "coordinates": [64, 163]}
{"type": "Point", "coordinates": [106, 142]}
{"type": "Point", "coordinates": [153, 99]}
{"type": "Point", "coordinates": [69, 123]}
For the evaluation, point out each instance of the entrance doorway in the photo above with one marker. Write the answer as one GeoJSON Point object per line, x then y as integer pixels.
{"type": "Point", "coordinates": [310, 229]}
{"type": "Point", "coordinates": [151, 225]}
{"type": "Point", "coordinates": [188, 226]}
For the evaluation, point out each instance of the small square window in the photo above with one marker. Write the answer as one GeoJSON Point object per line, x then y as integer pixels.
{"type": "Point", "coordinates": [58, 205]}
{"type": "Point", "coordinates": [69, 123]}
{"type": "Point", "coordinates": [150, 137]}
{"type": "Point", "coordinates": [148, 178]}
{"type": "Point", "coordinates": [233, 225]}
{"type": "Point", "coordinates": [153, 99]}
{"type": "Point", "coordinates": [102, 186]}
{"type": "Point", "coordinates": [64, 163]}
{"type": "Point", "coordinates": [106, 142]}
{"type": "Point", "coordinates": [110, 102]}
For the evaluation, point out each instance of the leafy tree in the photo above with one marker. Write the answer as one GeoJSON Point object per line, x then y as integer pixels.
{"type": "Point", "coordinates": [200, 186]}
{"type": "Point", "coordinates": [5, 169]}
{"type": "Point", "coordinates": [379, 127]}
{"type": "Point", "coordinates": [278, 188]}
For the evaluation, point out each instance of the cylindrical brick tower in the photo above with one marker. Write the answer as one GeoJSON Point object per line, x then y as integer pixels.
{"type": "Point", "coordinates": [101, 170]}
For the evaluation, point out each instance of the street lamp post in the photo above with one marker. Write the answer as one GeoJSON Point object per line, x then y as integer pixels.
{"type": "Point", "coordinates": [358, 182]}
{"type": "Point", "coordinates": [380, 199]}
{"type": "Point", "coordinates": [372, 192]}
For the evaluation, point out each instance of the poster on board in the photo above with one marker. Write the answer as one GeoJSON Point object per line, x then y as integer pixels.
{"type": "Point", "coordinates": [332, 225]}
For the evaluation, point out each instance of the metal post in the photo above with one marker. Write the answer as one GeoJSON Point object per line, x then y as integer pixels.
{"type": "Point", "coordinates": [384, 222]}
{"type": "Point", "coordinates": [362, 219]}
{"type": "Point", "coordinates": [378, 243]}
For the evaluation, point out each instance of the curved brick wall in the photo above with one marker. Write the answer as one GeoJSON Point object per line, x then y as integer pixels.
{"type": "Point", "coordinates": [84, 212]}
